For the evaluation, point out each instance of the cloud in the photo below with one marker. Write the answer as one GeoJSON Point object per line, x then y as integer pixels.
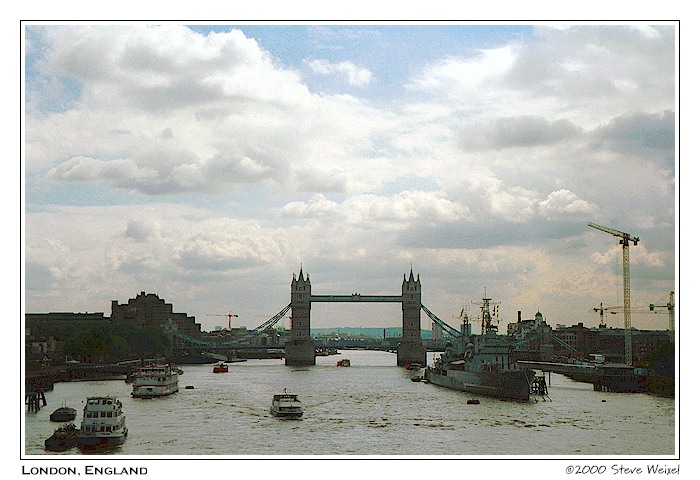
{"type": "Point", "coordinates": [403, 209]}
{"type": "Point", "coordinates": [353, 75]}
{"type": "Point", "coordinates": [458, 78]}
{"type": "Point", "coordinates": [141, 230]}
{"type": "Point", "coordinates": [317, 207]}
{"type": "Point", "coordinates": [187, 162]}
{"type": "Point", "coordinates": [564, 203]}
{"type": "Point", "coordinates": [637, 133]}
{"type": "Point", "coordinates": [524, 131]}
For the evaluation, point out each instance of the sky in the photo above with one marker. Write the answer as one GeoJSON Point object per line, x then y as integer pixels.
{"type": "Point", "coordinates": [210, 163]}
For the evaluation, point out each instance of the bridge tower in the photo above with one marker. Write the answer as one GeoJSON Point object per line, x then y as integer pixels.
{"type": "Point", "coordinates": [299, 350]}
{"type": "Point", "coordinates": [411, 349]}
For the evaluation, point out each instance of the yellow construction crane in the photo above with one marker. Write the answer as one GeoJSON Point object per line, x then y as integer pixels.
{"type": "Point", "coordinates": [602, 311]}
{"type": "Point", "coordinates": [625, 239]}
{"type": "Point", "coordinates": [671, 306]}
{"type": "Point", "coordinates": [654, 308]}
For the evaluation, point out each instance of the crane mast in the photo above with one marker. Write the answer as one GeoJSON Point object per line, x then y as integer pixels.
{"type": "Point", "coordinates": [671, 306]}
{"type": "Point", "coordinates": [625, 239]}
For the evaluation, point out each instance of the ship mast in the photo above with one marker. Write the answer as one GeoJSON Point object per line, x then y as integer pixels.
{"type": "Point", "coordinates": [486, 315]}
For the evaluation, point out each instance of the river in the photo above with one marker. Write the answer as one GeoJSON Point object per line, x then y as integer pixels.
{"type": "Point", "coordinates": [371, 408]}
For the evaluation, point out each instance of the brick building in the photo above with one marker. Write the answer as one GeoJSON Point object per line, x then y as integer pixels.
{"type": "Point", "coordinates": [148, 310]}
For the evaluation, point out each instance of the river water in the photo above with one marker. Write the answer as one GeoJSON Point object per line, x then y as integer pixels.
{"type": "Point", "coordinates": [371, 408]}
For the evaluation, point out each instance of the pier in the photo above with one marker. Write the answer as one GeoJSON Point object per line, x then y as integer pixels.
{"type": "Point", "coordinates": [604, 377]}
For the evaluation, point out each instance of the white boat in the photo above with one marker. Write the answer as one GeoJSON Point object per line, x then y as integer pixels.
{"type": "Point", "coordinates": [155, 381]}
{"type": "Point", "coordinates": [103, 425]}
{"type": "Point", "coordinates": [286, 405]}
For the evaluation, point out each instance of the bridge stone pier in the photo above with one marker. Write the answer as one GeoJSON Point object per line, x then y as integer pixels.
{"type": "Point", "coordinates": [300, 351]}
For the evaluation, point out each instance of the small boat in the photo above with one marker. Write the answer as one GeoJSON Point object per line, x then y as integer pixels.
{"type": "Point", "coordinates": [413, 366]}
{"type": "Point", "coordinates": [343, 363]}
{"type": "Point", "coordinates": [221, 368]}
{"type": "Point", "coordinates": [286, 405]}
{"type": "Point", "coordinates": [63, 438]}
{"type": "Point", "coordinates": [103, 425]}
{"type": "Point", "coordinates": [63, 414]}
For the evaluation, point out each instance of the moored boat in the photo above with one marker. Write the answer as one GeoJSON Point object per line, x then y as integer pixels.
{"type": "Point", "coordinates": [63, 414]}
{"type": "Point", "coordinates": [155, 381]}
{"type": "Point", "coordinates": [482, 364]}
{"type": "Point", "coordinates": [103, 425]}
{"type": "Point", "coordinates": [63, 438]}
{"type": "Point", "coordinates": [286, 405]}
{"type": "Point", "coordinates": [221, 368]}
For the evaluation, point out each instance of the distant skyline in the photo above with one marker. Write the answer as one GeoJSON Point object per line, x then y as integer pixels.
{"type": "Point", "coordinates": [208, 163]}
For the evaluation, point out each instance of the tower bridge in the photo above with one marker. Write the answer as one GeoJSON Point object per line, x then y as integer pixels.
{"type": "Point", "coordinates": [300, 351]}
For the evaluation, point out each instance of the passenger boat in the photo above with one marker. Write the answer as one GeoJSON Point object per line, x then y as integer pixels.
{"type": "Point", "coordinates": [221, 368]}
{"type": "Point", "coordinates": [343, 363]}
{"type": "Point", "coordinates": [63, 438]}
{"type": "Point", "coordinates": [63, 414]}
{"type": "Point", "coordinates": [103, 425]}
{"type": "Point", "coordinates": [286, 405]}
{"type": "Point", "coordinates": [155, 381]}
{"type": "Point", "coordinates": [482, 364]}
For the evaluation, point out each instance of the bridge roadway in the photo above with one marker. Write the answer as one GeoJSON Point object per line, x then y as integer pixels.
{"type": "Point", "coordinates": [356, 297]}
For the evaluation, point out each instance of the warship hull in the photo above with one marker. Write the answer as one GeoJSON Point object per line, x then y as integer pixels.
{"type": "Point", "coordinates": [514, 385]}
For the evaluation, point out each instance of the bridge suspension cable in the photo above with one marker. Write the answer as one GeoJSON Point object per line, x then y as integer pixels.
{"type": "Point", "coordinates": [445, 327]}
{"type": "Point", "coordinates": [239, 340]}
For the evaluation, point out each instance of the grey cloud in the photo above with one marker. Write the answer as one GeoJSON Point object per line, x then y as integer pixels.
{"type": "Point", "coordinates": [165, 68]}
{"type": "Point", "coordinates": [165, 171]}
{"type": "Point", "coordinates": [244, 168]}
{"type": "Point", "coordinates": [637, 132]}
{"type": "Point", "coordinates": [140, 230]}
{"type": "Point", "coordinates": [522, 131]}
{"type": "Point", "coordinates": [316, 180]}
{"type": "Point", "coordinates": [596, 62]}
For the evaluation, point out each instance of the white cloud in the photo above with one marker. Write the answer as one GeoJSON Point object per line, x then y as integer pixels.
{"type": "Point", "coordinates": [565, 204]}
{"type": "Point", "coordinates": [353, 75]}
{"type": "Point", "coordinates": [403, 209]}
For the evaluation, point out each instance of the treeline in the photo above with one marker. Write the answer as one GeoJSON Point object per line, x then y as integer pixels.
{"type": "Point", "coordinates": [108, 342]}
